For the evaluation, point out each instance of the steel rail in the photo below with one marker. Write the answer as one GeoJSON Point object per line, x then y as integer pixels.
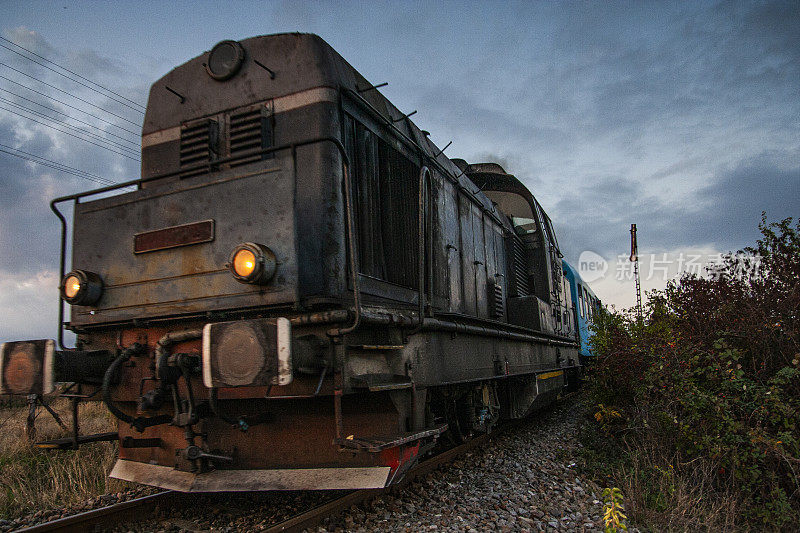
{"type": "Point", "coordinates": [138, 509]}
{"type": "Point", "coordinates": [110, 515]}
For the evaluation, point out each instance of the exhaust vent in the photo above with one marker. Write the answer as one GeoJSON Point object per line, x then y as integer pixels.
{"type": "Point", "coordinates": [497, 304]}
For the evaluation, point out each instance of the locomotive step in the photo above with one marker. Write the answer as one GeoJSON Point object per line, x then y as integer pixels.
{"type": "Point", "coordinates": [377, 444]}
{"type": "Point", "coordinates": [381, 382]}
{"type": "Point", "coordinates": [68, 442]}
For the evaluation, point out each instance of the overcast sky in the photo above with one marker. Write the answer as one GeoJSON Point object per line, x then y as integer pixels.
{"type": "Point", "coordinates": [683, 118]}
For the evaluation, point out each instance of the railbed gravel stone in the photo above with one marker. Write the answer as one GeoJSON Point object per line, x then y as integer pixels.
{"type": "Point", "coordinates": [48, 515]}
{"type": "Point", "coordinates": [523, 480]}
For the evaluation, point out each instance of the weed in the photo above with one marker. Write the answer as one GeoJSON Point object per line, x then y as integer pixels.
{"type": "Point", "coordinates": [696, 407]}
{"type": "Point", "coordinates": [614, 511]}
{"type": "Point", "coordinates": [34, 479]}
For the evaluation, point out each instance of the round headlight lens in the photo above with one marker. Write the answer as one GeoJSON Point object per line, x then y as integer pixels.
{"type": "Point", "coordinates": [81, 287]}
{"type": "Point", "coordinates": [244, 262]}
{"type": "Point", "coordinates": [225, 60]}
{"type": "Point", "coordinates": [72, 285]}
{"type": "Point", "coordinates": [252, 263]}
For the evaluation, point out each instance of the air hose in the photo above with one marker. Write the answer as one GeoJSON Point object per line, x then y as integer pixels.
{"type": "Point", "coordinates": [138, 423]}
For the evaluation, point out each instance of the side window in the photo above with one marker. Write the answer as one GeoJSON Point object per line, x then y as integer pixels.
{"type": "Point", "coordinates": [581, 303]}
{"type": "Point", "coordinates": [585, 303]}
{"type": "Point", "coordinates": [588, 300]}
{"type": "Point", "coordinates": [385, 185]}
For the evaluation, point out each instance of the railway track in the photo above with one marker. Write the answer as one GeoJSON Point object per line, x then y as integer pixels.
{"type": "Point", "coordinates": [314, 516]}
{"type": "Point", "coordinates": [111, 515]}
{"type": "Point", "coordinates": [140, 509]}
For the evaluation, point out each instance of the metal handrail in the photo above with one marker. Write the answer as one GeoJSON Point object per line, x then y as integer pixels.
{"type": "Point", "coordinates": [424, 173]}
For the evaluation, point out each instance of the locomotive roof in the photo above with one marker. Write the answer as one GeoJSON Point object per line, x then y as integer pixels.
{"type": "Point", "coordinates": [300, 61]}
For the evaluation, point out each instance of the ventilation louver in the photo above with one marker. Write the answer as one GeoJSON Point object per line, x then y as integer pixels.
{"type": "Point", "coordinates": [496, 300]}
{"type": "Point", "coordinates": [249, 132]}
{"type": "Point", "coordinates": [197, 146]}
{"type": "Point", "coordinates": [520, 265]}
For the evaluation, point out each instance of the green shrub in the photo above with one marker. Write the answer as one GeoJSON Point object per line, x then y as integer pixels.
{"type": "Point", "coordinates": [708, 381]}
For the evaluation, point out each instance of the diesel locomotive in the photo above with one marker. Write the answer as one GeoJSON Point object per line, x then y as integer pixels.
{"type": "Point", "coordinates": [301, 291]}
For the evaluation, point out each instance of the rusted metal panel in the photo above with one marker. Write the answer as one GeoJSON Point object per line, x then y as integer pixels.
{"type": "Point", "coordinates": [173, 237]}
{"type": "Point", "coordinates": [194, 277]}
{"type": "Point", "coordinates": [467, 254]}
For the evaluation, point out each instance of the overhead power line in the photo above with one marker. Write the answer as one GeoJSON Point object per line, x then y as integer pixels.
{"type": "Point", "coordinates": [68, 105]}
{"type": "Point", "coordinates": [55, 165]}
{"type": "Point", "coordinates": [78, 82]}
{"type": "Point", "coordinates": [54, 110]}
{"type": "Point", "coordinates": [71, 72]}
{"type": "Point", "coordinates": [76, 128]}
{"type": "Point", "coordinates": [68, 94]}
{"type": "Point", "coordinates": [71, 134]}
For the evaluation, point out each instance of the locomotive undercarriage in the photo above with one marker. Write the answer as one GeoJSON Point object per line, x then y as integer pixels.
{"type": "Point", "coordinates": [359, 411]}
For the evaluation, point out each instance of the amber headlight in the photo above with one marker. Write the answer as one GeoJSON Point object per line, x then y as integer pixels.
{"type": "Point", "coordinates": [81, 287]}
{"type": "Point", "coordinates": [252, 263]}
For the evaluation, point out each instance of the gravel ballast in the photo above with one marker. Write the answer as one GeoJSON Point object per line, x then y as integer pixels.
{"type": "Point", "coordinates": [524, 480]}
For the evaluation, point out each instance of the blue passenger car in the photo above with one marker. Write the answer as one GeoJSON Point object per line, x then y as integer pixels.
{"type": "Point", "coordinates": [585, 305]}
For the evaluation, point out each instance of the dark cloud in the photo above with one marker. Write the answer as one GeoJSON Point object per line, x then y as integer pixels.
{"type": "Point", "coordinates": [733, 204]}
{"type": "Point", "coordinates": [649, 113]}
{"type": "Point", "coordinates": [723, 215]}
{"type": "Point", "coordinates": [29, 231]}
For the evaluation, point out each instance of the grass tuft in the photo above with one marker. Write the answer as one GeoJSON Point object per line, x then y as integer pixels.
{"type": "Point", "coordinates": [34, 479]}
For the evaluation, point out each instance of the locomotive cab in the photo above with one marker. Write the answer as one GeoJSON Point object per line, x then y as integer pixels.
{"type": "Point", "coordinates": [538, 289]}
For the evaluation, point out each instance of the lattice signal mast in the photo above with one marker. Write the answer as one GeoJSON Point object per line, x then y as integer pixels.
{"type": "Point", "coordinates": [635, 258]}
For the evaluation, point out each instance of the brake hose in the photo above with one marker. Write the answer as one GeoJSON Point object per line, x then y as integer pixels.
{"type": "Point", "coordinates": [138, 423]}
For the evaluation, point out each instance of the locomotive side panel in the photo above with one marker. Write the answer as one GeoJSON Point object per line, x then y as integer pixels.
{"type": "Point", "coordinates": [479, 261]}
{"type": "Point", "coordinates": [468, 259]}
{"type": "Point", "coordinates": [450, 246]}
